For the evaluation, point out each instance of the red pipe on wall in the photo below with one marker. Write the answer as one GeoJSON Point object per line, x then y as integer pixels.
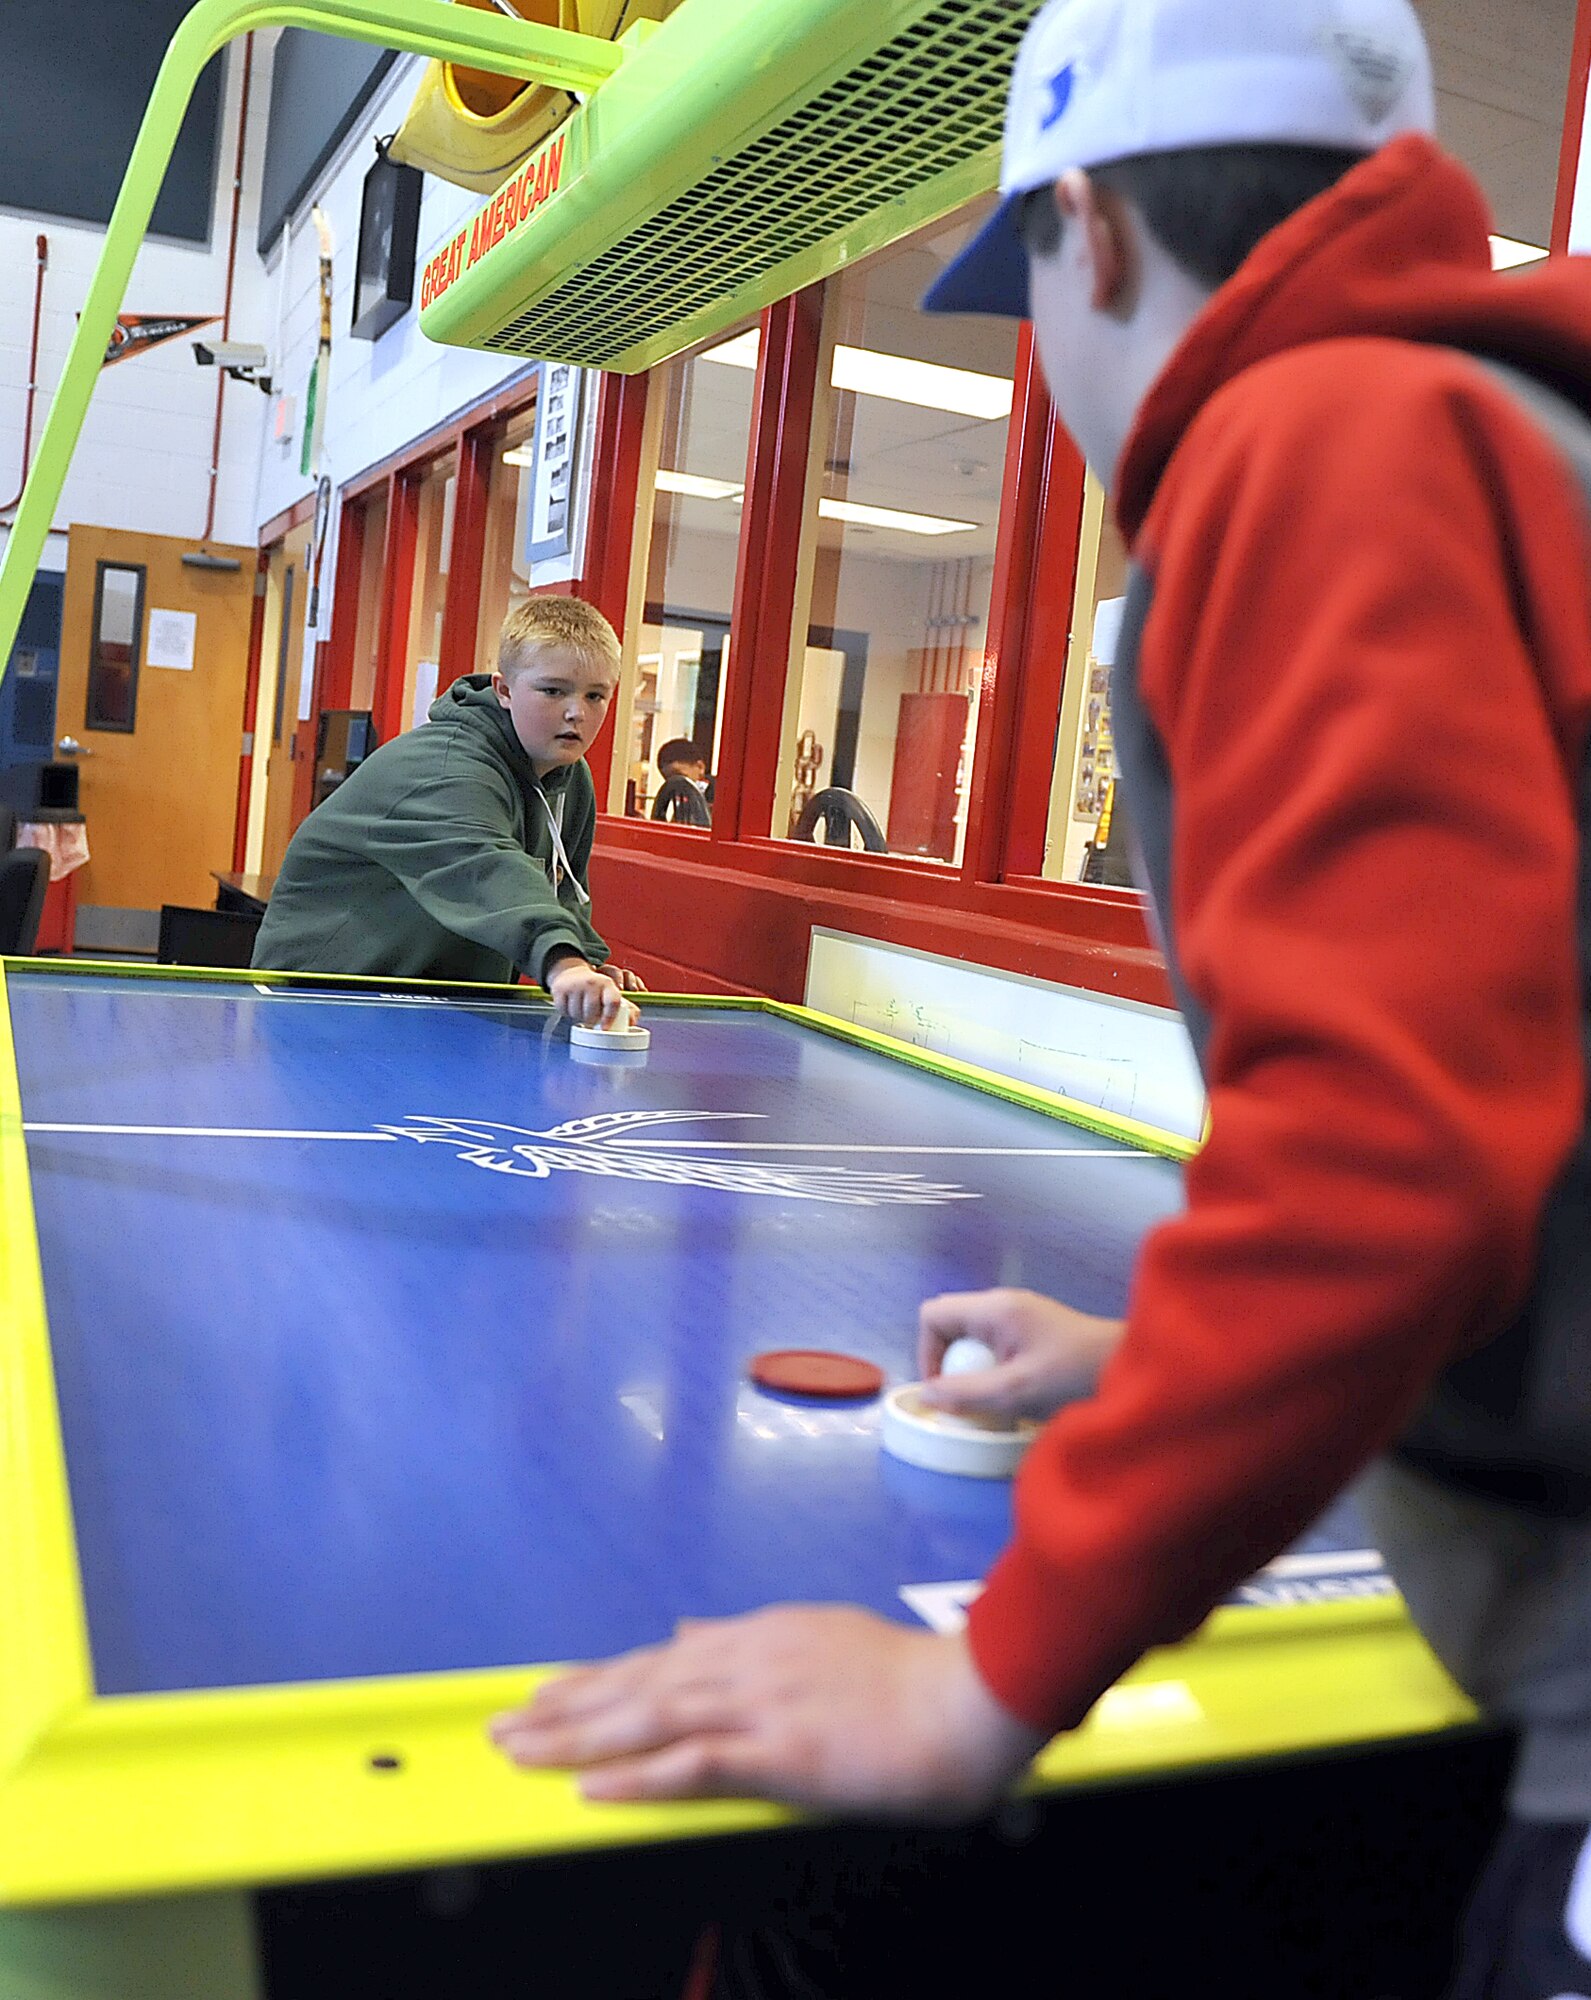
{"type": "Point", "coordinates": [231, 270]}
{"type": "Point", "coordinates": [42, 252]}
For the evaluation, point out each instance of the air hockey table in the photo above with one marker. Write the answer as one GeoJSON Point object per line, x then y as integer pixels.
{"type": "Point", "coordinates": [366, 1350]}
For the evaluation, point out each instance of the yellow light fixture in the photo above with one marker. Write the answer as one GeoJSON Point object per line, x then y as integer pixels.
{"type": "Point", "coordinates": [519, 454]}
{"type": "Point", "coordinates": [892, 517]}
{"type": "Point", "coordinates": [475, 128]}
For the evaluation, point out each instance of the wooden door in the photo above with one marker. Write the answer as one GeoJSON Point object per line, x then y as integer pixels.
{"type": "Point", "coordinates": [154, 659]}
{"type": "Point", "coordinates": [281, 665]}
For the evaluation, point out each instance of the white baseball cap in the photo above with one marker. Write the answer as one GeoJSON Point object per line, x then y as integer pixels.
{"type": "Point", "coordinates": [1099, 80]}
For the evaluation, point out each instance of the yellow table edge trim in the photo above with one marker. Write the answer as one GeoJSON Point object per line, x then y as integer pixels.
{"type": "Point", "coordinates": [215, 1782]}
{"type": "Point", "coordinates": [41, 1598]}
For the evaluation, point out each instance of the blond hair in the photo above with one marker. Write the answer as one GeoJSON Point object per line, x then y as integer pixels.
{"type": "Point", "coordinates": [568, 623]}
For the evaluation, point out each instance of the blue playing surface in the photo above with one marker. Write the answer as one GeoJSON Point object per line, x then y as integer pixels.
{"type": "Point", "coordinates": [367, 1404]}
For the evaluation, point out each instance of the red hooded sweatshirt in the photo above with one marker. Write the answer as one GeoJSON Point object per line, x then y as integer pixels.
{"type": "Point", "coordinates": [1367, 662]}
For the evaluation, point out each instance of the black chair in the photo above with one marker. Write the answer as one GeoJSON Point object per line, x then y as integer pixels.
{"type": "Point", "coordinates": [842, 814]}
{"type": "Point", "coordinates": [344, 738]}
{"type": "Point", "coordinates": [8, 827]}
{"type": "Point", "coordinates": [205, 937]}
{"type": "Point", "coordinates": [24, 877]}
{"type": "Point", "coordinates": [680, 801]}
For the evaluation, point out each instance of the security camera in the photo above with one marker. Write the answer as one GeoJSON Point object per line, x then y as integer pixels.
{"type": "Point", "coordinates": [229, 354]}
{"type": "Point", "coordinates": [240, 359]}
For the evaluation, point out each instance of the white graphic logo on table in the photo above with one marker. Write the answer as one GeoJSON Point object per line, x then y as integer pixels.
{"type": "Point", "coordinates": [614, 1143]}
{"type": "Point", "coordinates": [623, 1146]}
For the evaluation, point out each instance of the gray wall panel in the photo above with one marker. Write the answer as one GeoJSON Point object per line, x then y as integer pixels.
{"type": "Point", "coordinates": [319, 86]}
{"type": "Point", "coordinates": [73, 85]}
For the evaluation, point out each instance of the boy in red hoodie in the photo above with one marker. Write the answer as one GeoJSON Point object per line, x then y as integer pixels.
{"type": "Point", "coordinates": [1353, 704]}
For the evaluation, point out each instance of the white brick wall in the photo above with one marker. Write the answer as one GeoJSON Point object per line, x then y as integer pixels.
{"type": "Point", "coordinates": [383, 393]}
{"type": "Point", "coordinates": [143, 459]}
{"type": "Point", "coordinates": [144, 456]}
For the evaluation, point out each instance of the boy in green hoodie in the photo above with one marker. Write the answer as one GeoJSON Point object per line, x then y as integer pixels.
{"type": "Point", "coordinates": [459, 850]}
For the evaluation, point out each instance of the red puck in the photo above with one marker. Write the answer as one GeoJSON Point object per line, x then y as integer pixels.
{"type": "Point", "coordinates": [815, 1371]}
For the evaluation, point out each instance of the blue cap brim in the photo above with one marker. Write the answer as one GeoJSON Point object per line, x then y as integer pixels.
{"type": "Point", "coordinates": [990, 275]}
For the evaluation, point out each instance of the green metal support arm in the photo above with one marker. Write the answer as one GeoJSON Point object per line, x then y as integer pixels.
{"type": "Point", "coordinates": [553, 56]}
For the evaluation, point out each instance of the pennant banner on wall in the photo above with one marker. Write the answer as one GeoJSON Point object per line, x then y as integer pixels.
{"type": "Point", "coordinates": [136, 333]}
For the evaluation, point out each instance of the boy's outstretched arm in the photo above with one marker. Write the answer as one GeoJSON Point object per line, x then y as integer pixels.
{"type": "Point", "coordinates": [452, 846]}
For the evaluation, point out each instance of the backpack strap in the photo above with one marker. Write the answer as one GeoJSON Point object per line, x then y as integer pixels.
{"type": "Point", "coordinates": [1565, 423]}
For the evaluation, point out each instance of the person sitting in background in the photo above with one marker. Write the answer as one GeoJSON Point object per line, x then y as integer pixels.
{"type": "Point", "coordinates": [459, 850]}
{"type": "Point", "coordinates": [681, 758]}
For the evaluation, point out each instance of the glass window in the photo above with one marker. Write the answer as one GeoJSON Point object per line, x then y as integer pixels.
{"type": "Point", "coordinates": [116, 647]}
{"type": "Point", "coordinates": [1086, 837]}
{"type": "Point", "coordinates": [900, 537]}
{"type": "Point", "coordinates": [682, 647]}
{"type": "Point", "coordinates": [505, 572]}
{"type": "Point", "coordinates": [289, 640]}
{"type": "Point", "coordinates": [367, 623]}
{"type": "Point", "coordinates": [433, 542]}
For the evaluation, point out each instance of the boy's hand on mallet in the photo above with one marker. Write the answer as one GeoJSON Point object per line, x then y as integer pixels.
{"type": "Point", "coordinates": [587, 996]}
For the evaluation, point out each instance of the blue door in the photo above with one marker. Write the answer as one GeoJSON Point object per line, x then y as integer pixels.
{"type": "Point", "coordinates": [27, 693]}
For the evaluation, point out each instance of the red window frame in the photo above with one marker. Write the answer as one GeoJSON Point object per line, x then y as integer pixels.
{"type": "Point", "coordinates": [995, 905]}
{"type": "Point", "coordinates": [470, 438]}
{"type": "Point", "coordinates": [473, 438]}
{"type": "Point", "coordinates": [251, 692]}
{"type": "Point", "coordinates": [397, 594]}
{"type": "Point", "coordinates": [472, 484]}
{"type": "Point", "coordinates": [1573, 130]}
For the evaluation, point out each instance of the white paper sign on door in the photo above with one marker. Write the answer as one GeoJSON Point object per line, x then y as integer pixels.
{"type": "Point", "coordinates": [171, 639]}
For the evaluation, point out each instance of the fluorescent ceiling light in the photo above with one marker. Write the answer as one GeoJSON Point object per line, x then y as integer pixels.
{"type": "Point", "coordinates": [892, 517]}
{"type": "Point", "coordinates": [1507, 251]}
{"type": "Point", "coordinates": [741, 352]}
{"type": "Point", "coordinates": [521, 454]}
{"type": "Point", "coordinates": [698, 487]}
{"type": "Point", "coordinates": [898, 378]}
